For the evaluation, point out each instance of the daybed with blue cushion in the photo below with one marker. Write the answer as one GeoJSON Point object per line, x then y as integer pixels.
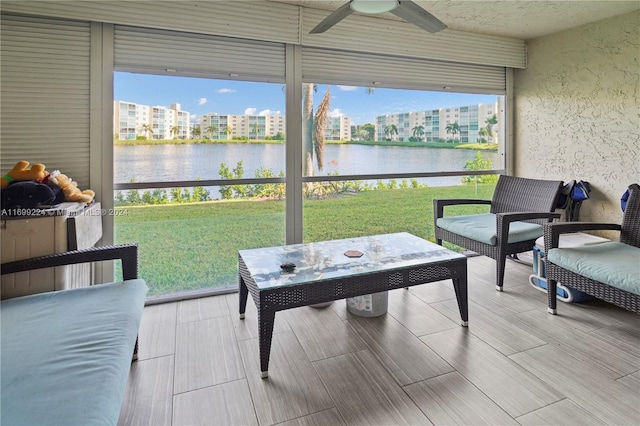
{"type": "Point", "coordinates": [66, 354]}
{"type": "Point", "coordinates": [609, 271]}
{"type": "Point", "coordinates": [518, 208]}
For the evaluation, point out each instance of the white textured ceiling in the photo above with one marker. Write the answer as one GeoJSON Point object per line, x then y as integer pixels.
{"type": "Point", "coordinates": [510, 18]}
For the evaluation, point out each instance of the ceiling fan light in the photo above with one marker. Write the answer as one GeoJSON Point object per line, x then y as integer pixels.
{"type": "Point", "coordinates": [373, 6]}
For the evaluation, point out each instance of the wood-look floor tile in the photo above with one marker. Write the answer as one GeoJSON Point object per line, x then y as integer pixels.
{"type": "Point", "coordinates": [497, 331]}
{"type": "Point", "coordinates": [207, 354]}
{"type": "Point", "coordinates": [323, 418]}
{"type": "Point", "coordinates": [509, 385]}
{"type": "Point", "coordinates": [157, 335]}
{"type": "Point", "coordinates": [605, 398]}
{"type": "Point", "coordinates": [293, 388]}
{"type": "Point", "coordinates": [632, 381]}
{"type": "Point", "coordinates": [226, 404]}
{"type": "Point", "coordinates": [321, 332]}
{"type": "Point", "coordinates": [451, 399]}
{"type": "Point", "coordinates": [247, 328]}
{"type": "Point", "coordinates": [365, 394]}
{"type": "Point", "coordinates": [561, 413]}
{"type": "Point", "coordinates": [149, 393]}
{"type": "Point", "coordinates": [625, 337]}
{"type": "Point", "coordinates": [545, 385]}
{"type": "Point", "coordinates": [608, 313]}
{"type": "Point", "coordinates": [340, 308]}
{"type": "Point", "coordinates": [417, 316]}
{"type": "Point", "coordinates": [403, 354]}
{"type": "Point", "coordinates": [609, 358]}
{"type": "Point", "coordinates": [201, 309]}
{"type": "Point", "coordinates": [515, 298]}
{"type": "Point", "coordinates": [595, 314]}
{"type": "Point", "coordinates": [517, 294]}
{"type": "Point", "coordinates": [434, 292]}
{"type": "Point", "coordinates": [515, 274]}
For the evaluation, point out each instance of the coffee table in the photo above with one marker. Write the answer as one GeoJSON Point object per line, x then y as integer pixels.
{"type": "Point", "coordinates": [324, 273]}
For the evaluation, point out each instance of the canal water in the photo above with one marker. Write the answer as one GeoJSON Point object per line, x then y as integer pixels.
{"type": "Point", "coordinates": [157, 163]}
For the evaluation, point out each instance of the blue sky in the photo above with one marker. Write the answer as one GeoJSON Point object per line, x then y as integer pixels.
{"type": "Point", "coordinates": [201, 96]}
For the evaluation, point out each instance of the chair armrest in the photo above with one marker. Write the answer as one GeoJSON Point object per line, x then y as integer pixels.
{"type": "Point", "coordinates": [552, 231]}
{"type": "Point", "coordinates": [127, 253]}
{"type": "Point", "coordinates": [439, 204]}
{"type": "Point", "coordinates": [503, 220]}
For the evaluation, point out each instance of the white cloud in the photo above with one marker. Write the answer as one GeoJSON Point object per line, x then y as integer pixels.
{"type": "Point", "coordinates": [250, 111]}
{"type": "Point", "coordinates": [225, 90]}
{"type": "Point", "coordinates": [202, 101]}
{"type": "Point", "coordinates": [335, 113]}
{"type": "Point", "coordinates": [194, 118]}
{"type": "Point", "coordinates": [348, 88]}
{"type": "Point", "coordinates": [269, 112]}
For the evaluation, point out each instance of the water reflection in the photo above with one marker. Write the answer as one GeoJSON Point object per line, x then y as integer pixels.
{"type": "Point", "coordinates": [151, 163]}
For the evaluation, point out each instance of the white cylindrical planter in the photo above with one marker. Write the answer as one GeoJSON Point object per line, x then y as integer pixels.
{"type": "Point", "coordinates": [369, 305]}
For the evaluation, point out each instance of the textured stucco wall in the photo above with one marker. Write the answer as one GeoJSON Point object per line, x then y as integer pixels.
{"type": "Point", "coordinates": [577, 111]}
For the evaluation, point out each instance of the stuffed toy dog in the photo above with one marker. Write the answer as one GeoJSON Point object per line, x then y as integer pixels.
{"type": "Point", "coordinates": [21, 172]}
{"type": "Point", "coordinates": [70, 188]}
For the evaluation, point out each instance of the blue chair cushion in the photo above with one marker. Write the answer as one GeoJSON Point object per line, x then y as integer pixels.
{"type": "Point", "coordinates": [612, 263]}
{"type": "Point", "coordinates": [66, 354]}
{"type": "Point", "coordinates": [482, 228]}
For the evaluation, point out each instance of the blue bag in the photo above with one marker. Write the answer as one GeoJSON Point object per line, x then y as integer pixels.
{"type": "Point", "coordinates": [571, 198]}
{"type": "Point", "coordinates": [580, 191]}
{"type": "Point", "coordinates": [624, 199]}
{"type": "Point", "coordinates": [565, 195]}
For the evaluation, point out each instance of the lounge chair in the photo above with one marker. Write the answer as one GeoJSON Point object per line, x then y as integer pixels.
{"type": "Point", "coordinates": [609, 271]}
{"type": "Point", "coordinates": [518, 209]}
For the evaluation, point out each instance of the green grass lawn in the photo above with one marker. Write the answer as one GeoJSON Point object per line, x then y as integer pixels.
{"type": "Point", "coordinates": [194, 246]}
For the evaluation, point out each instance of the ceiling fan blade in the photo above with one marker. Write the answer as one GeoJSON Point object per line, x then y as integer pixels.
{"type": "Point", "coordinates": [411, 12]}
{"type": "Point", "coordinates": [335, 17]}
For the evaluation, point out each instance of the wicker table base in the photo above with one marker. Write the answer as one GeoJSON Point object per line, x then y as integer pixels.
{"type": "Point", "coordinates": [323, 274]}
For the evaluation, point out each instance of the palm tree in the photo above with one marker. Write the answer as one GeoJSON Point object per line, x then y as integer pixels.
{"type": "Point", "coordinates": [453, 128]}
{"type": "Point", "coordinates": [369, 131]}
{"type": "Point", "coordinates": [311, 126]}
{"type": "Point", "coordinates": [319, 127]}
{"type": "Point", "coordinates": [228, 130]}
{"type": "Point", "coordinates": [255, 129]}
{"type": "Point", "coordinates": [174, 130]}
{"type": "Point", "coordinates": [148, 129]}
{"type": "Point", "coordinates": [307, 128]}
{"type": "Point", "coordinates": [418, 132]}
{"type": "Point", "coordinates": [195, 131]}
{"type": "Point", "coordinates": [394, 130]}
{"type": "Point", "coordinates": [490, 122]}
{"type": "Point", "coordinates": [483, 133]}
{"type": "Point", "coordinates": [211, 130]}
{"type": "Point", "coordinates": [390, 130]}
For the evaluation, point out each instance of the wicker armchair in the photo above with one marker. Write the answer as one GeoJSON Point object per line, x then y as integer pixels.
{"type": "Point", "coordinates": [518, 209]}
{"type": "Point", "coordinates": [126, 253]}
{"type": "Point", "coordinates": [625, 295]}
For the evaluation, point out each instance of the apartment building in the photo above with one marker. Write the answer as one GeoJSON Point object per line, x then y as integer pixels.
{"type": "Point", "coordinates": [431, 125]}
{"type": "Point", "coordinates": [338, 128]}
{"type": "Point", "coordinates": [131, 120]}
{"type": "Point", "coordinates": [228, 126]}
{"type": "Point", "coordinates": [181, 120]}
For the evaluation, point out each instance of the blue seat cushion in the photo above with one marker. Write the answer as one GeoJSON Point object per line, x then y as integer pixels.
{"type": "Point", "coordinates": [66, 354]}
{"type": "Point", "coordinates": [482, 228]}
{"type": "Point", "coordinates": [612, 263]}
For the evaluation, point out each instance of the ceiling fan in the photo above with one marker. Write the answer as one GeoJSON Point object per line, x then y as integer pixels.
{"type": "Point", "coordinates": [405, 9]}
